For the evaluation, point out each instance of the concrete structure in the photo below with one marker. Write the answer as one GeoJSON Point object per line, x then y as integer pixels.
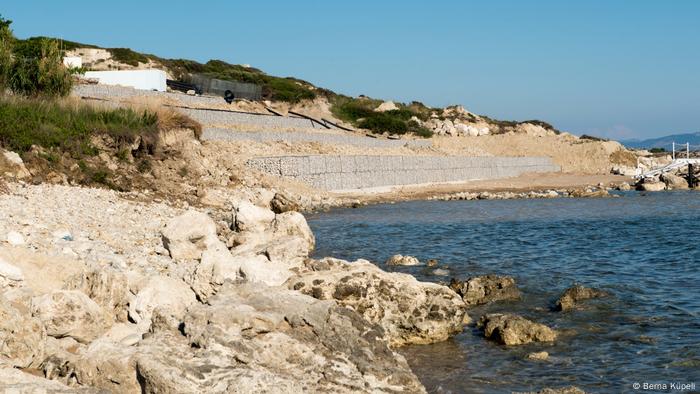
{"type": "Point", "coordinates": [359, 172]}
{"type": "Point", "coordinates": [138, 79]}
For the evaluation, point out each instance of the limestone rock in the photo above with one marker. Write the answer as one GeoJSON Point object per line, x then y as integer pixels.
{"type": "Point", "coordinates": [575, 294]}
{"type": "Point", "coordinates": [160, 291]}
{"type": "Point", "coordinates": [674, 182]}
{"type": "Point", "coordinates": [486, 289]}
{"type": "Point", "coordinates": [10, 275]}
{"type": "Point", "coordinates": [216, 267]}
{"type": "Point", "coordinates": [624, 186]}
{"type": "Point", "coordinates": [511, 329]}
{"type": "Point", "coordinates": [386, 106]}
{"type": "Point", "coordinates": [651, 186]}
{"type": "Point", "coordinates": [254, 339]}
{"type": "Point", "coordinates": [106, 286]}
{"type": "Point", "coordinates": [69, 313]}
{"type": "Point", "coordinates": [409, 311]}
{"type": "Point", "coordinates": [282, 203]}
{"type": "Point", "coordinates": [21, 336]}
{"type": "Point", "coordinates": [398, 259]}
{"type": "Point", "coordinates": [258, 269]}
{"type": "Point", "coordinates": [538, 356]}
{"type": "Point", "coordinates": [187, 235]}
{"type": "Point", "coordinates": [250, 217]}
{"type": "Point", "coordinates": [11, 164]}
{"type": "Point", "coordinates": [15, 381]}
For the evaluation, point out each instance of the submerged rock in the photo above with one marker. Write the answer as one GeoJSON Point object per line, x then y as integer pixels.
{"type": "Point", "coordinates": [651, 186]}
{"type": "Point", "coordinates": [509, 329]}
{"type": "Point", "coordinates": [486, 289]}
{"type": "Point", "coordinates": [398, 259]}
{"type": "Point", "coordinates": [561, 390]}
{"type": "Point", "coordinates": [575, 294]}
{"type": "Point", "coordinates": [409, 311]}
{"type": "Point", "coordinates": [538, 356]}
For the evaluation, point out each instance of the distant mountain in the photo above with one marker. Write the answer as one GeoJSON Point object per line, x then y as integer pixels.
{"type": "Point", "coordinates": [663, 142]}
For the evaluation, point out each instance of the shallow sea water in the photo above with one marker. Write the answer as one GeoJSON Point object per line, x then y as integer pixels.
{"type": "Point", "coordinates": [642, 248]}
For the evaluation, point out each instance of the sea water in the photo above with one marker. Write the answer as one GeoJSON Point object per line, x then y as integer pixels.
{"type": "Point", "coordinates": [644, 249]}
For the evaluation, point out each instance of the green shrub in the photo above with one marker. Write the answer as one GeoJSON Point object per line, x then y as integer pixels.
{"type": "Point", "coordinates": [128, 56]}
{"type": "Point", "coordinates": [657, 150]}
{"type": "Point", "coordinates": [68, 128]}
{"type": "Point", "coordinates": [38, 70]}
{"type": "Point", "coordinates": [361, 113]}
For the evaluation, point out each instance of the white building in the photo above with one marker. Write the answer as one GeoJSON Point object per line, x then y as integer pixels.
{"type": "Point", "coordinates": [138, 79]}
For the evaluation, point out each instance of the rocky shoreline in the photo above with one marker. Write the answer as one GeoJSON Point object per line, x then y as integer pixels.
{"type": "Point", "coordinates": [104, 293]}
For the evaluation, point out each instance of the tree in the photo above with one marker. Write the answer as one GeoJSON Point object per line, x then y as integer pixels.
{"type": "Point", "coordinates": [39, 71]}
{"type": "Point", "coordinates": [6, 43]}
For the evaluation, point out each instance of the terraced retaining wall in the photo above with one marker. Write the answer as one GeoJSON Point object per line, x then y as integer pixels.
{"type": "Point", "coordinates": [331, 172]}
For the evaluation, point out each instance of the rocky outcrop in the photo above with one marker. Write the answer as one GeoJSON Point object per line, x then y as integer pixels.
{"type": "Point", "coordinates": [386, 106]}
{"type": "Point", "coordinates": [673, 181]}
{"type": "Point", "coordinates": [168, 294]}
{"type": "Point", "coordinates": [575, 294]}
{"type": "Point", "coordinates": [21, 336]}
{"type": "Point", "coordinates": [651, 185]}
{"type": "Point", "coordinates": [409, 311]}
{"type": "Point", "coordinates": [398, 259]}
{"type": "Point", "coordinates": [509, 329]}
{"type": "Point", "coordinates": [282, 203]}
{"type": "Point", "coordinates": [252, 338]}
{"type": "Point", "coordinates": [15, 381]}
{"type": "Point", "coordinates": [486, 289]}
{"type": "Point", "coordinates": [108, 287]}
{"type": "Point", "coordinates": [69, 313]}
{"type": "Point", "coordinates": [188, 235]}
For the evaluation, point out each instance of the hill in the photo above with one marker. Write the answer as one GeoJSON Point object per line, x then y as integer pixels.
{"type": "Point", "coordinates": [664, 142]}
{"type": "Point", "coordinates": [361, 112]}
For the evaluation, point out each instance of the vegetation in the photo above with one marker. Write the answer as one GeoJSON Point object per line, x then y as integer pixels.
{"type": "Point", "coordinates": [127, 56]}
{"type": "Point", "coordinates": [32, 67]}
{"type": "Point", "coordinates": [657, 150]}
{"type": "Point", "coordinates": [360, 112]}
{"type": "Point", "coordinates": [273, 88]}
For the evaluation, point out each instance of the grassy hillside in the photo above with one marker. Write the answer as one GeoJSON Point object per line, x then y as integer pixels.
{"type": "Point", "coordinates": [357, 111]}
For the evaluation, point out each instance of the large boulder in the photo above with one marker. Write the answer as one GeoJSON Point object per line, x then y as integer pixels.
{"type": "Point", "coordinates": [409, 311]}
{"type": "Point", "coordinates": [486, 289]}
{"type": "Point", "coordinates": [386, 106]}
{"type": "Point", "coordinates": [250, 217]}
{"type": "Point", "coordinates": [69, 313]}
{"type": "Point", "coordinates": [256, 339]}
{"type": "Point", "coordinates": [673, 181]}
{"type": "Point", "coordinates": [651, 186]}
{"type": "Point", "coordinates": [575, 294]}
{"type": "Point", "coordinates": [106, 286]}
{"type": "Point", "coordinates": [509, 329]}
{"type": "Point", "coordinates": [21, 336]}
{"type": "Point", "coordinates": [188, 235]}
{"type": "Point", "coordinates": [282, 203]}
{"type": "Point", "coordinates": [258, 269]}
{"type": "Point", "coordinates": [216, 267]}
{"type": "Point", "coordinates": [170, 294]}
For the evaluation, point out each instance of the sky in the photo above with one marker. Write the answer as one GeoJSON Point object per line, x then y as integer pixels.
{"type": "Point", "coordinates": [616, 68]}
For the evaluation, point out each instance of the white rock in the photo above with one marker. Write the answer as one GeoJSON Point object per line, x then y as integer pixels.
{"type": "Point", "coordinates": [259, 269]}
{"type": "Point", "coordinates": [250, 217]}
{"type": "Point", "coordinates": [62, 234]}
{"type": "Point", "coordinates": [216, 267]}
{"type": "Point", "coordinates": [386, 106]}
{"type": "Point", "coordinates": [398, 259]}
{"type": "Point", "coordinates": [187, 235]}
{"type": "Point", "coordinates": [9, 272]}
{"type": "Point", "coordinates": [160, 291]}
{"type": "Point", "coordinates": [14, 238]}
{"type": "Point", "coordinates": [69, 313]}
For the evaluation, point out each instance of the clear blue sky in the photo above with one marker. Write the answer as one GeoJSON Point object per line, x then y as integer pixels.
{"type": "Point", "coordinates": [613, 68]}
